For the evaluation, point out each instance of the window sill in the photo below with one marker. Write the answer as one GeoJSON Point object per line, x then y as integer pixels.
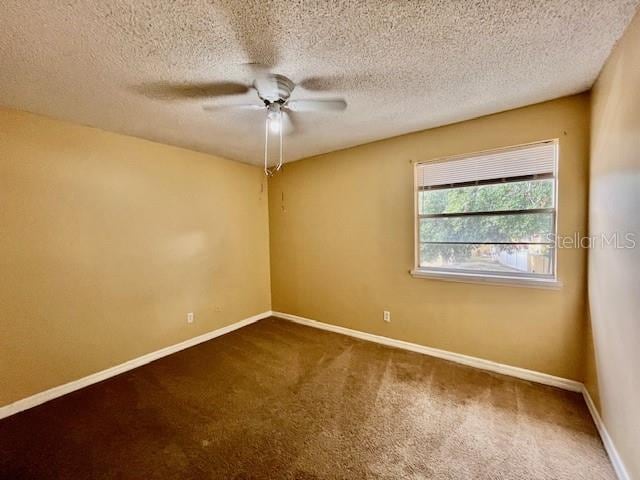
{"type": "Point", "coordinates": [488, 279]}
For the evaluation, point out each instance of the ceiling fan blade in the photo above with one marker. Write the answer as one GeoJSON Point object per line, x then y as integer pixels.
{"type": "Point", "coordinates": [173, 91]}
{"type": "Point", "coordinates": [320, 105]}
{"type": "Point", "coordinates": [326, 83]}
{"type": "Point", "coordinates": [256, 30]}
{"type": "Point", "coordinates": [237, 106]}
{"type": "Point", "coordinates": [257, 68]}
{"type": "Point", "coordinates": [289, 123]}
{"type": "Point", "coordinates": [322, 84]}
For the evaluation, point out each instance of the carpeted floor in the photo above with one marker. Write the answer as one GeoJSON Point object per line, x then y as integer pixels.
{"type": "Point", "coordinates": [279, 400]}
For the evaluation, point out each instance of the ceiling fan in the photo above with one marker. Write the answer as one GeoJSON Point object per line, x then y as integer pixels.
{"type": "Point", "coordinates": [274, 91]}
{"type": "Point", "coordinates": [274, 98]}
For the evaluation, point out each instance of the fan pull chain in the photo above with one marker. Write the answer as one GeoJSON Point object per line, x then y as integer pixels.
{"type": "Point", "coordinates": [270, 171]}
{"type": "Point", "coordinates": [266, 147]}
{"type": "Point", "coordinates": [281, 128]}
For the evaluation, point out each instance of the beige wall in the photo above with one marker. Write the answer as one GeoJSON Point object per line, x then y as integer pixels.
{"type": "Point", "coordinates": [614, 274]}
{"type": "Point", "coordinates": [107, 241]}
{"type": "Point", "coordinates": [341, 228]}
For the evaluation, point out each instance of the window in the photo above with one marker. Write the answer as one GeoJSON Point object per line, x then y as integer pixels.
{"type": "Point", "coordinates": [489, 216]}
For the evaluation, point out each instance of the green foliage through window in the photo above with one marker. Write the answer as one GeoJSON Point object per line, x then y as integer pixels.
{"type": "Point", "coordinates": [519, 240]}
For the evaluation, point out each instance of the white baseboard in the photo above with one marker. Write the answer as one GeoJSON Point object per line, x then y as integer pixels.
{"type": "Point", "coordinates": [480, 363]}
{"type": "Point", "coordinates": [61, 390]}
{"type": "Point", "coordinates": [616, 461]}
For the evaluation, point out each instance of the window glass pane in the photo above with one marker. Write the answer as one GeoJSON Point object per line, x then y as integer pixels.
{"type": "Point", "coordinates": [514, 228]}
{"type": "Point", "coordinates": [484, 198]}
{"type": "Point", "coordinates": [505, 259]}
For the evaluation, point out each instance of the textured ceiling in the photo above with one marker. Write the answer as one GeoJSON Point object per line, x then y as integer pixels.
{"type": "Point", "coordinates": [401, 65]}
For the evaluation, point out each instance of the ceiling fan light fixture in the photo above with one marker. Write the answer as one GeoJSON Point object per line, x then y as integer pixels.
{"type": "Point", "coordinates": [274, 119]}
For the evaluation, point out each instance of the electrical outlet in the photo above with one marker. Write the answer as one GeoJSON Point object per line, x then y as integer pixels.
{"type": "Point", "coordinates": [190, 317]}
{"type": "Point", "coordinates": [386, 316]}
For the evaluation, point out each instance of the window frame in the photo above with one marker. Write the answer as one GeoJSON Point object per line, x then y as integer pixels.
{"type": "Point", "coordinates": [480, 276]}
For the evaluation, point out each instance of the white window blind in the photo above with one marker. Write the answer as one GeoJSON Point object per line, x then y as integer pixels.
{"type": "Point", "coordinates": [531, 160]}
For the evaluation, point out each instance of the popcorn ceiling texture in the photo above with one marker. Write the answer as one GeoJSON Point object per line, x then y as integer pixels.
{"type": "Point", "coordinates": [402, 66]}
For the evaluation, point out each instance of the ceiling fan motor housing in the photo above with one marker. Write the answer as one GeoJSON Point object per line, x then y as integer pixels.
{"type": "Point", "coordinates": [274, 88]}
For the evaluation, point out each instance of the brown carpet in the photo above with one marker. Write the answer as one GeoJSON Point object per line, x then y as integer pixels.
{"type": "Point", "coordinates": [279, 400]}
